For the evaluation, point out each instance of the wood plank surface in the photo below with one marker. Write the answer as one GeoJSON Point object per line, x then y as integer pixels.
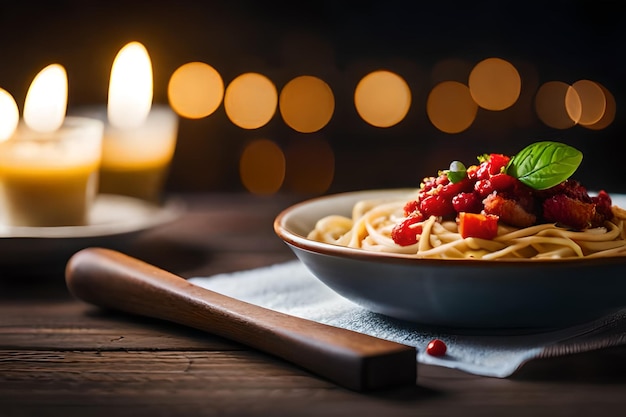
{"type": "Point", "coordinates": [250, 383]}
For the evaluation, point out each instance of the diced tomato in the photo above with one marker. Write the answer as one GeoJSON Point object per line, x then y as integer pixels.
{"type": "Point", "coordinates": [492, 166]}
{"type": "Point", "coordinates": [405, 233]}
{"type": "Point", "coordinates": [498, 182]}
{"type": "Point", "coordinates": [436, 205]}
{"type": "Point", "coordinates": [502, 182]}
{"type": "Point", "coordinates": [410, 207]}
{"type": "Point", "coordinates": [452, 189]}
{"type": "Point", "coordinates": [436, 347]}
{"type": "Point", "coordinates": [482, 173]}
{"type": "Point", "coordinates": [483, 187]}
{"type": "Point", "coordinates": [442, 179]}
{"type": "Point", "coordinates": [470, 202]}
{"type": "Point", "coordinates": [497, 162]}
{"type": "Point", "coordinates": [472, 172]}
{"type": "Point", "coordinates": [484, 226]}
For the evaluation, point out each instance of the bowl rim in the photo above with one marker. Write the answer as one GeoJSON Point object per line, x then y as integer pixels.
{"type": "Point", "coordinates": [299, 241]}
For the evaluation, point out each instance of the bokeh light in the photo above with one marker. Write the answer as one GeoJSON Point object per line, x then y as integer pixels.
{"type": "Point", "coordinates": [592, 100]}
{"type": "Point", "coordinates": [609, 113]}
{"type": "Point", "coordinates": [262, 167]}
{"type": "Point", "coordinates": [9, 115]}
{"type": "Point", "coordinates": [450, 107]}
{"type": "Point", "coordinates": [495, 84]}
{"type": "Point", "coordinates": [382, 98]}
{"type": "Point", "coordinates": [310, 166]}
{"type": "Point", "coordinates": [250, 100]}
{"type": "Point", "coordinates": [573, 104]}
{"type": "Point", "coordinates": [557, 105]}
{"type": "Point", "coordinates": [306, 104]}
{"type": "Point", "coordinates": [195, 90]}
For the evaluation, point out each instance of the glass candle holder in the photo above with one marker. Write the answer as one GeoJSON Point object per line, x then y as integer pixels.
{"type": "Point", "coordinates": [50, 179]}
{"type": "Point", "coordinates": [136, 161]}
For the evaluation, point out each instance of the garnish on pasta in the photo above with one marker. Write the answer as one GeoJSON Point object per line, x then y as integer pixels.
{"type": "Point", "coordinates": [520, 207]}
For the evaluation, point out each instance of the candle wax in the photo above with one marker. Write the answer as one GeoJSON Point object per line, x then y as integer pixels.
{"type": "Point", "coordinates": [38, 197]}
{"type": "Point", "coordinates": [50, 179]}
{"type": "Point", "coordinates": [145, 182]}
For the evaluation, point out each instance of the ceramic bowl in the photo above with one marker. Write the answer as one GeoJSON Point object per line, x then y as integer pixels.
{"type": "Point", "coordinates": [454, 293]}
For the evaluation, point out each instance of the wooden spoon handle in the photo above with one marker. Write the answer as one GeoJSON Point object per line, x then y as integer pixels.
{"type": "Point", "coordinates": [111, 279]}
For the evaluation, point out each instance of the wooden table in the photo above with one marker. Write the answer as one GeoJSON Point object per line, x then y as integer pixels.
{"type": "Point", "coordinates": [62, 357]}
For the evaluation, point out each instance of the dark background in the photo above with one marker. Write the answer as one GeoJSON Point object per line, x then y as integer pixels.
{"type": "Point", "coordinates": [339, 41]}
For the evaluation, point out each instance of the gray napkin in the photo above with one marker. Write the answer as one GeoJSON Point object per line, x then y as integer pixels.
{"type": "Point", "coordinates": [290, 288]}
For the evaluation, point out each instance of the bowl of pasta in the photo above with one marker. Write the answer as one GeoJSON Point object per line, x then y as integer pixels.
{"type": "Point", "coordinates": [384, 250]}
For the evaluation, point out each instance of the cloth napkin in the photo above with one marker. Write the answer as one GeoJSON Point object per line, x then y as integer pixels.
{"type": "Point", "coordinates": [290, 288]}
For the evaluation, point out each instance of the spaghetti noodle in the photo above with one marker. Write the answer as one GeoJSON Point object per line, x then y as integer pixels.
{"type": "Point", "coordinates": [370, 225]}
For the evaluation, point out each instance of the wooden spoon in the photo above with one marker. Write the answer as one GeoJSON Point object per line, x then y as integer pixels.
{"type": "Point", "coordinates": [111, 279]}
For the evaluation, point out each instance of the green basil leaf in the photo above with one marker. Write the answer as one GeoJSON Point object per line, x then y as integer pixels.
{"type": "Point", "coordinates": [456, 172]}
{"type": "Point", "coordinates": [544, 164]}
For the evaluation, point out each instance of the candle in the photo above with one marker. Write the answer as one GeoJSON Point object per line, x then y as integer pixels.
{"type": "Point", "coordinates": [135, 161]}
{"type": "Point", "coordinates": [49, 164]}
{"type": "Point", "coordinates": [139, 137]}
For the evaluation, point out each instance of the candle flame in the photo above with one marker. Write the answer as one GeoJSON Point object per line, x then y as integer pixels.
{"type": "Point", "coordinates": [130, 87]}
{"type": "Point", "coordinates": [46, 99]}
{"type": "Point", "coordinates": [10, 115]}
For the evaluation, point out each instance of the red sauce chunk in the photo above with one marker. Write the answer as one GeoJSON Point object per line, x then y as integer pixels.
{"type": "Point", "coordinates": [436, 347]}
{"type": "Point", "coordinates": [484, 226]}
{"type": "Point", "coordinates": [405, 233]}
{"type": "Point", "coordinates": [486, 195]}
